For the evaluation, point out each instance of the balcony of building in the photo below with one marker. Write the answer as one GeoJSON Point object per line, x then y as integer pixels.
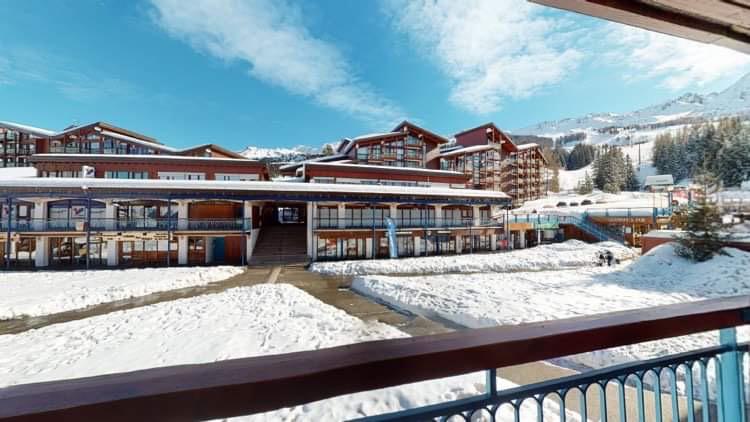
{"type": "Point", "coordinates": [698, 384]}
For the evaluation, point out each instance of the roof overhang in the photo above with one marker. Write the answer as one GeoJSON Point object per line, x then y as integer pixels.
{"type": "Point", "coordinates": [243, 191]}
{"type": "Point", "coordinates": [721, 22]}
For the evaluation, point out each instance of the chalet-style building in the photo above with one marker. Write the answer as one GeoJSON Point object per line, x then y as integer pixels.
{"type": "Point", "coordinates": [106, 196]}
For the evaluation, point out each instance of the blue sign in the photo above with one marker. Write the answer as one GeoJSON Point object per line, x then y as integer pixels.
{"type": "Point", "coordinates": [392, 244]}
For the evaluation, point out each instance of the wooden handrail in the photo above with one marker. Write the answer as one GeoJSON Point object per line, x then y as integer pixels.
{"type": "Point", "coordinates": [251, 385]}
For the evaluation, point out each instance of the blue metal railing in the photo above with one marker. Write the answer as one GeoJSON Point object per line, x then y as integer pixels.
{"type": "Point", "coordinates": [599, 232]}
{"type": "Point", "coordinates": [720, 398]}
{"type": "Point", "coordinates": [403, 223]}
{"type": "Point", "coordinates": [114, 224]}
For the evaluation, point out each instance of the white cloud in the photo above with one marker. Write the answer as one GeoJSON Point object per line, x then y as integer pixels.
{"type": "Point", "coordinates": [491, 50]}
{"type": "Point", "coordinates": [678, 63]}
{"type": "Point", "coordinates": [271, 37]}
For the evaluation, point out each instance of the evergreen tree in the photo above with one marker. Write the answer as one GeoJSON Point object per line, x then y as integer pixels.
{"type": "Point", "coordinates": [610, 170]}
{"type": "Point", "coordinates": [631, 181]}
{"type": "Point", "coordinates": [733, 159]}
{"type": "Point", "coordinates": [328, 150]}
{"type": "Point", "coordinates": [581, 156]}
{"type": "Point", "coordinates": [702, 238]}
{"type": "Point", "coordinates": [586, 186]}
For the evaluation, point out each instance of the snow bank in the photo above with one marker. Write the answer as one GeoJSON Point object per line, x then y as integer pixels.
{"type": "Point", "coordinates": [17, 172]}
{"type": "Point", "coordinates": [658, 278]}
{"type": "Point", "coordinates": [569, 254]}
{"type": "Point", "coordinates": [41, 293]}
{"type": "Point", "coordinates": [249, 321]}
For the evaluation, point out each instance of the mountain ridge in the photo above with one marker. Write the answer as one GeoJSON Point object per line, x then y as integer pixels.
{"type": "Point", "coordinates": [734, 100]}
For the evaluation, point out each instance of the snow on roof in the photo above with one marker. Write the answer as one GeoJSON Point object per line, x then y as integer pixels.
{"type": "Point", "coordinates": [145, 157]}
{"type": "Point", "coordinates": [375, 135]}
{"type": "Point", "coordinates": [323, 159]}
{"type": "Point", "coordinates": [137, 141]}
{"type": "Point", "coordinates": [272, 187]}
{"type": "Point", "coordinates": [16, 172]}
{"type": "Point", "coordinates": [527, 146]}
{"type": "Point", "coordinates": [659, 180]}
{"type": "Point", "coordinates": [27, 129]}
{"type": "Point", "coordinates": [392, 168]}
{"type": "Point", "coordinates": [467, 150]}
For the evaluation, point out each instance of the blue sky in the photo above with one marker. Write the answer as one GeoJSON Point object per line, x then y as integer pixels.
{"type": "Point", "coordinates": [281, 73]}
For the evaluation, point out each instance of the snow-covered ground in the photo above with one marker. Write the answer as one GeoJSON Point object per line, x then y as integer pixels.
{"type": "Point", "coordinates": [489, 299]}
{"type": "Point", "coordinates": [41, 293]}
{"type": "Point", "coordinates": [569, 254]}
{"type": "Point", "coordinates": [242, 322]}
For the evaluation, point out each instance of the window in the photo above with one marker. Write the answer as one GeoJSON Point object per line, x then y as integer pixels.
{"type": "Point", "coordinates": [362, 153]}
{"type": "Point", "coordinates": [328, 217]}
{"type": "Point", "coordinates": [354, 248]}
{"type": "Point", "coordinates": [327, 248]}
{"type": "Point", "coordinates": [239, 177]}
{"type": "Point", "coordinates": [126, 175]}
{"type": "Point", "coordinates": [173, 175]}
{"type": "Point", "coordinates": [375, 152]}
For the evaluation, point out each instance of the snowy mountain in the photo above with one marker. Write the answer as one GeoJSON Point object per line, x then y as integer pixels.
{"type": "Point", "coordinates": [298, 153]}
{"type": "Point", "coordinates": [735, 100]}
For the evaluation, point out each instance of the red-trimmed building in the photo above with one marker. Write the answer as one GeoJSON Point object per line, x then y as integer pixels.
{"type": "Point", "coordinates": [113, 197]}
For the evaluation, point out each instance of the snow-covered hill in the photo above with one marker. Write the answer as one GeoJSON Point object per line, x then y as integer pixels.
{"type": "Point", "coordinates": [298, 153]}
{"type": "Point", "coordinates": [735, 100]}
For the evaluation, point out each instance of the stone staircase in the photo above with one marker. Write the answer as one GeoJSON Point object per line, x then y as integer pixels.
{"type": "Point", "coordinates": [281, 245]}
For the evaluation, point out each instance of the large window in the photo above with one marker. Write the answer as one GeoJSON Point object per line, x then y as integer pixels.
{"type": "Point", "coordinates": [327, 249]}
{"type": "Point", "coordinates": [362, 154]}
{"type": "Point", "coordinates": [416, 217]}
{"type": "Point", "coordinates": [173, 175]}
{"type": "Point", "coordinates": [405, 245]}
{"type": "Point", "coordinates": [126, 175]}
{"type": "Point", "coordinates": [457, 217]}
{"type": "Point", "coordinates": [328, 217]}
{"type": "Point", "coordinates": [363, 217]}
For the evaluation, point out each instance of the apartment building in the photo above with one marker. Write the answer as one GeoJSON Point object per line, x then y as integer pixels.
{"type": "Point", "coordinates": [106, 196]}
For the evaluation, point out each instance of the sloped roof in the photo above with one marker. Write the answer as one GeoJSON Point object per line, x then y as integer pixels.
{"type": "Point", "coordinates": [409, 125]}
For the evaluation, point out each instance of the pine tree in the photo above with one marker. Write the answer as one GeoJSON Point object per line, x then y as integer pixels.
{"type": "Point", "coordinates": [581, 156]}
{"type": "Point", "coordinates": [631, 181]}
{"type": "Point", "coordinates": [586, 186]}
{"type": "Point", "coordinates": [328, 150]}
{"type": "Point", "coordinates": [702, 238]}
{"type": "Point", "coordinates": [733, 159]}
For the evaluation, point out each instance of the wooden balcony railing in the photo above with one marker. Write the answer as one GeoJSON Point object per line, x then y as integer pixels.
{"type": "Point", "coordinates": [252, 385]}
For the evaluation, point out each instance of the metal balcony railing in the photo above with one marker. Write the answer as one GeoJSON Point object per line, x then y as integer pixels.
{"type": "Point", "coordinates": [259, 384]}
{"type": "Point", "coordinates": [402, 223]}
{"type": "Point", "coordinates": [136, 224]}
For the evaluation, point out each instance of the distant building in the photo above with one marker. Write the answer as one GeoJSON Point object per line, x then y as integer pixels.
{"type": "Point", "coordinates": [659, 183]}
